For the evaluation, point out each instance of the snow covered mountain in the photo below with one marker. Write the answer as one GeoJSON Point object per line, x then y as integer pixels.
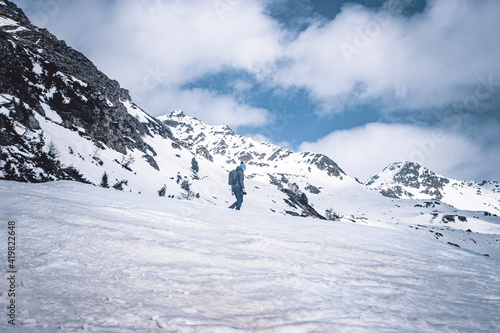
{"type": "Point", "coordinates": [62, 118]}
{"type": "Point", "coordinates": [411, 180]}
{"type": "Point", "coordinates": [294, 174]}
{"type": "Point", "coordinates": [222, 145]}
{"type": "Point", "coordinates": [329, 190]}
{"type": "Point", "coordinates": [422, 257]}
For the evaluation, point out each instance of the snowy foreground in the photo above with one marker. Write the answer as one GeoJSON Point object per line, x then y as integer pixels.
{"type": "Point", "coordinates": [101, 260]}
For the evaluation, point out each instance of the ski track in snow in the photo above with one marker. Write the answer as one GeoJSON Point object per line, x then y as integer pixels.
{"type": "Point", "coordinates": [108, 261]}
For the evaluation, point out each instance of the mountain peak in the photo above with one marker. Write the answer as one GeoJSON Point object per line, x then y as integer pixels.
{"type": "Point", "coordinates": [177, 113]}
{"type": "Point", "coordinates": [410, 180]}
{"type": "Point", "coordinates": [64, 119]}
{"type": "Point", "coordinates": [404, 165]}
{"type": "Point", "coordinates": [222, 144]}
{"type": "Point", "coordinates": [408, 175]}
{"type": "Point", "coordinates": [44, 83]}
{"type": "Point", "coordinates": [10, 10]}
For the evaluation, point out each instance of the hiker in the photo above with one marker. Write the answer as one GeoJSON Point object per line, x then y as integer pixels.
{"type": "Point", "coordinates": [238, 186]}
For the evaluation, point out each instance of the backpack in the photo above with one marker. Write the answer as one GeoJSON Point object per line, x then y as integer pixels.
{"type": "Point", "coordinates": [232, 178]}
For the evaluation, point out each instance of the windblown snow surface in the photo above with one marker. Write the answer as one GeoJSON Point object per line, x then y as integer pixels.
{"type": "Point", "coordinates": [101, 260]}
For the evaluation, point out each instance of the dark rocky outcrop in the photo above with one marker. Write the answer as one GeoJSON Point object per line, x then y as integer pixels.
{"type": "Point", "coordinates": [37, 69]}
{"type": "Point", "coordinates": [409, 175]}
{"type": "Point", "coordinates": [299, 200]}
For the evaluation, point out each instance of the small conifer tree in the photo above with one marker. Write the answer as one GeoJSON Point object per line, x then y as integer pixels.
{"type": "Point", "coordinates": [187, 187]}
{"type": "Point", "coordinates": [331, 215]}
{"type": "Point", "coordinates": [105, 180]}
{"type": "Point", "coordinates": [53, 151]}
{"type": "Point", "coordinates": [194, 165]}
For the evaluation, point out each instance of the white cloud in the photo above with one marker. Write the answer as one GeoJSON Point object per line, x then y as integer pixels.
{"type": "Point", "coordinates": [153, 48]}
{"type": "Point", "coordinates": [364, 151]}
{"type": "Point", "coordinates": [259, 137]}
{"type": "Point", "coordinates": [363, 55]}
{"type": "Point", "coordinates": [187, 40]}
{"type": "Point", "coordinates": [211, 108]}
{"type": "Point", "coordinates": [428, 60]}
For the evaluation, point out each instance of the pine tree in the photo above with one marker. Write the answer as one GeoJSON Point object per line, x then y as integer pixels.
{"type": "Point", "coordinates": [104, 180]}
{"type": "Point", "coordinates": [194, 165]}
{"type": "Point", "coordinates": [53, 151]}
{"type": "Point", "coordinates": [187, 187]}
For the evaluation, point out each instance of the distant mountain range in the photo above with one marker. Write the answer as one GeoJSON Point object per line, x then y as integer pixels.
{"type": "Point", "coordinates": [408, 180]}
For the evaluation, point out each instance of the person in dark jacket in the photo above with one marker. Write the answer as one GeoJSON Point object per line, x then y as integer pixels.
{"type": "Point", "coordinates": [238, 188]}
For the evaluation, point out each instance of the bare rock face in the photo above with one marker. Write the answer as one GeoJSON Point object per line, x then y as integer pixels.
{"type": "Point", "coordinates": [409, 180]}
{"type": "Point", "coordinates": [37, 70]}
{"type": "Point", "coordinates": [404, 177]}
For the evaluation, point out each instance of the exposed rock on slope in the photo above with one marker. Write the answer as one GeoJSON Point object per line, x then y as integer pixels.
{"type": "Point", "coordinates": [409, 180]}
{"type": "Point", "coordinates": [220, 143]}
{"type": "Point", "coordinates": [40, 76]}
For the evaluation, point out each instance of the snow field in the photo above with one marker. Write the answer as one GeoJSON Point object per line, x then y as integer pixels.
{"type": "Point", "coordinates": [109, 261]}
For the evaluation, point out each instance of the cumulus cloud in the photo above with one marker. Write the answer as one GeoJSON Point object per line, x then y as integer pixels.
{"type": "Point", "coordinates": [210, 107]}
{"type": "Point", "coordinates": [364, 151]}
{"type": "Point", "coordinates": [362, 56]}
{"type": "Point", "coordinates": [190, 39]}
{"type": "Point", "coordinates": [427, 60]}
{"type": "Point", "coordinates": [153, 47]}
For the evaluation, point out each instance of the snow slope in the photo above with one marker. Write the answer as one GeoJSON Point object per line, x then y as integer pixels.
{"type": "Point", "coordinates": [110, 261]}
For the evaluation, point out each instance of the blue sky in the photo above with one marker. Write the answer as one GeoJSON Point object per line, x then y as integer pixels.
{"type": "Point", "coordinates": [367, 82]}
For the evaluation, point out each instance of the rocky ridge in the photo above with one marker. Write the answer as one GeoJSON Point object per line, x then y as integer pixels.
{"type": "Point", "coordinates": [409, 180]}
{"type": "Point", "coordinates": [222, 144]}
{"type": "Point", "coordinates": [40, 76]}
